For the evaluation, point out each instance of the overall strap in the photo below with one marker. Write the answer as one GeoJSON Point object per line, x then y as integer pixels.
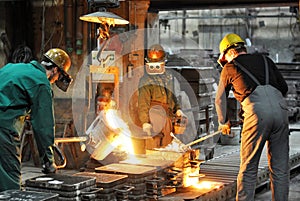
{"type": "Point", "coordinates": [266, 69]}
{"type": "Point", "coordinates": [251, 75]}
{"type": "Point", "coordinates": [246, 71]}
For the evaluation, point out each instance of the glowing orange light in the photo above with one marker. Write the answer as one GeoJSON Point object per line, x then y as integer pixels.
{"type": "Point", "coordinates": [123, 141]}
{"type": "Point", "coordinates": [207, 185]}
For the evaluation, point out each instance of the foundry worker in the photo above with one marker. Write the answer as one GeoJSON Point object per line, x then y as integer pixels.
{"type": "Point", "coordinates": [25, 89]}
{"type": "Point", "coordinates": [260, 88]}
{"type": "Point", "coordinates": [157, 103]}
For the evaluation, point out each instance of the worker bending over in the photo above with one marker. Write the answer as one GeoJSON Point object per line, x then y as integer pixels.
{"type": "Point", "coordinates": [25, 89]}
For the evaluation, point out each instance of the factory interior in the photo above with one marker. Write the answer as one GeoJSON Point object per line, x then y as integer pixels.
{"type": "Point", "coordinates": [100, 149]}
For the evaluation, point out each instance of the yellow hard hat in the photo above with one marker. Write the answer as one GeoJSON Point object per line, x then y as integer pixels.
{"type": "Point", "coordinates": [59, 57]}
{"type": "Point", "coordinates": [230, 40]}
{"type": "Point", "coordinates": [156, 53]}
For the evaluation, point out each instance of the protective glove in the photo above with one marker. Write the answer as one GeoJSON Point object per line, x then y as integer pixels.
{"type": "Point", "coordinates": [179, 113]}
{"type": "Point", "coordinates": [225, 128]}
{"type": "Point", "coordinates": [147, 128]}
{"type": "Point", "coordinates": [49, 168]}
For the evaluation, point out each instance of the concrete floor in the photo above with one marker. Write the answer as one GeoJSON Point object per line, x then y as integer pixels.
{"type": "Point", "coordinates": [29, 171]}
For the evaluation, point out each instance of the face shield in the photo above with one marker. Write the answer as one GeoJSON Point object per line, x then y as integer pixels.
{"type": "Point", "coordinates": [64, 80]}
{"type": "Point", "coordinates": [155, 68]}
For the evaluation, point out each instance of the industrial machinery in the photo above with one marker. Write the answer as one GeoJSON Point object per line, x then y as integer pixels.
{"type": "Point", "coordinates": [103, 82]}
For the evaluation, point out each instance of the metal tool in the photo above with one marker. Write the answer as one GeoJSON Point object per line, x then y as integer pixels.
{"type": "Point", "coordinates": [187, 146]}
{"type": "Point", "coordinates": [203, 138]}
{"type": "Point", "coordinates": [176, 139]}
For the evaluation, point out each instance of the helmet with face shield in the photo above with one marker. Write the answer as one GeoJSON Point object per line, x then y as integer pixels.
{"type": "Point", "coordinates": [155, 60]}
{"type": "Point", "coordinates": [62, 60]}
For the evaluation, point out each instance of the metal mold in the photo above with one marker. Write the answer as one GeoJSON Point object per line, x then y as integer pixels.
{"type": "Point", "coordinates": [69, 183]}
{"type": "Point", "coordinates": [157, 163]}
{"type": "Point", "coordinates": [133, 171]}
{"type": "Point", "coordinates": [62, 194]}
{"type": "Point", "coordinates": [18, 195]}
{"type": "Point", "coordinates": [105, 180]}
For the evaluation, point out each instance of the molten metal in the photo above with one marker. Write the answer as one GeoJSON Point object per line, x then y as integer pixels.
{"type": "Point", "coordinates": [208, 185]}
{"type": "Point", "coordinates": [108, 132]}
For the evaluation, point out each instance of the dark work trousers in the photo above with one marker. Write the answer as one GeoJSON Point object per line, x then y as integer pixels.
{"type": "Point", "coordinates": [10, 161]}
{"type": "Point", "coordinates": [265, 122]}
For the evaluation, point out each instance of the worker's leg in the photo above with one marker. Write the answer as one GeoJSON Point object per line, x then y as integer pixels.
{"type": "Point", "coordinates": [10, 167]}
{"type": "Point", "coordinates": [278, 155]}
{"type": "Point", "coordinates": [253, 138]}
{"type": "Point", "coordinates": [252, 144]}
{"type": "Point", "coordinates": [278, 152]}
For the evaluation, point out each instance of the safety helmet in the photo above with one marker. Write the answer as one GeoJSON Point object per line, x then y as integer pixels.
{"type": "Point", "coordinates": [156, 53]}
{"type": "Point", "coordinates": [229, 40]}
{"type": "Point", "coordinates": [59, 57]}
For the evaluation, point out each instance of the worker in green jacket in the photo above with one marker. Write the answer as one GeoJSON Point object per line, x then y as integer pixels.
{"type": "Point", "coordinates": [157, 103]}
{"type": "Point", "coordinates": [25, 89]}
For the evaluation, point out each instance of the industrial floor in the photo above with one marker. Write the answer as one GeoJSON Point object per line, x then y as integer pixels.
{"type": "Point", "coordinates": [263, 192]}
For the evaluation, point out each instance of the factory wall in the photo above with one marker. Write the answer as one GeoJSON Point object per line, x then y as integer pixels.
{"type": "Point", "coordinates": [45, 24]}
{"type": "Point", "coordinates": [273, 30]}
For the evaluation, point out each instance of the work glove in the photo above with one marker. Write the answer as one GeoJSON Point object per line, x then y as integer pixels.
{"type": "Point", "coordinates": [147, 128]}
{"type": "Point", "coordinates": [225, 128]}
{"type": "Point", "coordinates": [179, 113]}
{"type": "Point", "coordinates": [49, 168]}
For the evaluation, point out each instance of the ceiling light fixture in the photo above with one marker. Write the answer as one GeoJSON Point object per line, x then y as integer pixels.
{"type": "Point", "coordinates": [104, 17]}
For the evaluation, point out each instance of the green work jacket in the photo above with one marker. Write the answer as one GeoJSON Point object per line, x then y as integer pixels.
{"type": "Point", "coordinates": [25, 89]}
{"type": "Point", "coordinates": [156, 90]}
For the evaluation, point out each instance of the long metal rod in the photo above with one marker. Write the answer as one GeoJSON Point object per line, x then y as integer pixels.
{"type": "Point", "coordinates": [203, 138]}
{"type": "Point", "coordinates": [70, 139]}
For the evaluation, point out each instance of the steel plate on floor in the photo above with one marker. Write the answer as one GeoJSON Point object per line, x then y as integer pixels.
{"type": "Point", "coordinates": [18, 195]}
{"type": "Point", "coordinates": [105, 180]}
{"type": "Point", "coordinates": [129, 169]}
{"type": "Point", "coordinates": [63, 182]}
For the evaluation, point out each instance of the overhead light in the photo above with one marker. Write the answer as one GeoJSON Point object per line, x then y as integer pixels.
{"type": "Point", "coordinates": [104, 17]}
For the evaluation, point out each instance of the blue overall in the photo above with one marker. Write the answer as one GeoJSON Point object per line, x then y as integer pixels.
{"type": "Point", "coordinates": [265, 121]}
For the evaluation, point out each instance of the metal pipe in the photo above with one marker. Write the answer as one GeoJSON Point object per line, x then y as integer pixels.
{"type": "Point", "coordinates": [226, 17]}
{"type": "Point", "coordinates": [79, 29]}
{"type": "Point", "coordinates": [184, 25]}
{"type": "Point", "coordinates": [70, 139]}
{"type": "Point", "coordinates": [69, 33]}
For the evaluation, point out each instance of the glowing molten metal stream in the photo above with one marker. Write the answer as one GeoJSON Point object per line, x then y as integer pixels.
{"type": "Point", "coordinates": [123, 141]}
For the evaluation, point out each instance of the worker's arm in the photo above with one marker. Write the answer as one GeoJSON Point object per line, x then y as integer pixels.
{"type": "Point", "coordinates": [42, 119]}
{"type": "Point", "coordinates": [221, 98]}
